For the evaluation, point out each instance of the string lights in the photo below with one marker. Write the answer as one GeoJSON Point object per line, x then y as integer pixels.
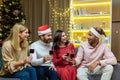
{"type": "Point", "coordinates": [59, 16]}
{"type": "Point", "coordinates": [62, 11]}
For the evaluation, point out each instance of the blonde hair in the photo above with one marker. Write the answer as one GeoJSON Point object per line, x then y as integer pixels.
{"type": "Point", "coordinates": [14, 37]}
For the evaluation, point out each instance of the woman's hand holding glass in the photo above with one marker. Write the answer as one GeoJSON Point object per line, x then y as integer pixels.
{"type": "Point", "coordinates": [69, 57]}
{"type": "Point", "coordinates": [72, 61]}
{"type": "Point", "coordinates": [27, 61]}
{"type": "Point", "coordinates": [65, 56]}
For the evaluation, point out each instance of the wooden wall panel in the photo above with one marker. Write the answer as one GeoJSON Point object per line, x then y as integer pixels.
{"type": "Point", "coordinates": [116, 13]}
{"type": "Point", "coordinates": [115, 46]}
{"type": "Point", "coordinates": [0, 1]}
{"type": "Point", "coordinates": [115, 42]}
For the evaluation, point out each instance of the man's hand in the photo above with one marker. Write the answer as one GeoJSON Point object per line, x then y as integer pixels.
{"type": "Point", "coordinates": [48, 58]}
{"type": "Point", "coordinates": [93, 66]}
{"type": "Point", "coordinates": [52, 67]}
{"type": "Point", "coordinates": [28, 59]}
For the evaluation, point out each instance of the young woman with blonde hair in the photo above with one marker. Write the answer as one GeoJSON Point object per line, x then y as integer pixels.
{"type": "Point", "coordinates": [14, 55]}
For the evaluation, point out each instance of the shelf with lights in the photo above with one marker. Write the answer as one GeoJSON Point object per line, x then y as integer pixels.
{"type": "Point", "coordinates": [86, 31]}
{"type": "Point", "coordinates": [78, 3]}
{"type": "Point", "coordinates": [86, 14]}
{"type": "Point", "coordinates": [79, 36]}
{"type": "Point", "coordinates": [92, 17]}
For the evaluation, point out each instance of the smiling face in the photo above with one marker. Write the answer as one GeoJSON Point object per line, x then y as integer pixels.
{"type": "Point", "coordinates": [24, 35]}
{"type": "Point", "coordinates": [92, 39]}
{"type": "Point", "coordinates": [46, 37]}
{"type": "Point", "coordinates": [63, 38]}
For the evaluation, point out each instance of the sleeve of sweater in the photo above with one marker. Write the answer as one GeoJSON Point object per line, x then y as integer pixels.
{"type": "Point", "coordinates": [56, 60]}
{"type": "Point", "coordinates": [80, 55]}
{"type": "Point", "coordinates": [35, 61]}
{"type": "Point", "coordinates": [109, 57]}
{"type": "Point", "coordinates": [8, 59]}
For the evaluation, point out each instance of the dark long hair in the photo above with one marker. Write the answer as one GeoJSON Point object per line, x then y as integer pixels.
{"type": "Point", "coordinates": [57, 39]}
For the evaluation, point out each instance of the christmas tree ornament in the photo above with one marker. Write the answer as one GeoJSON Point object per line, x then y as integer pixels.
{"type": "Point", "coordinates": [15, 12]}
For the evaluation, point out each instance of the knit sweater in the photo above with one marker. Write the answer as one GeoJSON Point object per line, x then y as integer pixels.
{"type": "Point", "coordinates": [40, 50]}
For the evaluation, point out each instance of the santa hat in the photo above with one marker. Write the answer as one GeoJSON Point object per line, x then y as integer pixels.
{"type": "Point", "coordinates": [43, 29]}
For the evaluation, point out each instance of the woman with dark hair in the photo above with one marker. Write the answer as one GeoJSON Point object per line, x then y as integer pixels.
{"type": "Point", "coordinates": [63, 57]}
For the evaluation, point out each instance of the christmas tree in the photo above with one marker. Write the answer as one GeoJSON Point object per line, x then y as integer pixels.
{"type": "Point", "coordinates": [10, 13]}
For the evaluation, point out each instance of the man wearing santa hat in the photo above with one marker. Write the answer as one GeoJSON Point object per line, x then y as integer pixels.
{"type": "Point", "coordinates": [41, 58]}
{"type": "Point", "coordinates": [94, 57]}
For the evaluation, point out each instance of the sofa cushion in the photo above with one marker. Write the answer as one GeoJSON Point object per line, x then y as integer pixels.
{"type": "Point", "coordinates": [0, 64]}
{"type": "Point", "coordinates": [0, 58]}
{"type": "Point", "coordinates": [94, 77]}
{"type": "Point", "coordinates": [116, 72]}
{"type": "Point", "coordinates": [8, 78]}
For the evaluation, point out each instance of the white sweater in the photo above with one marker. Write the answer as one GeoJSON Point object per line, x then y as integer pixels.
{"type": "Point", "coordinates": [40, 50]}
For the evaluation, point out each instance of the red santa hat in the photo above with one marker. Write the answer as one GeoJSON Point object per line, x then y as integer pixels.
{"type": "Point", "coordinates": [43, 29]}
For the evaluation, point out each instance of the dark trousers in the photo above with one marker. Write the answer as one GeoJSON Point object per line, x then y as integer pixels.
{"type": "Point", "coordinates": [43, 73]}
{"type": "Point", "coordinates": [28, 73]}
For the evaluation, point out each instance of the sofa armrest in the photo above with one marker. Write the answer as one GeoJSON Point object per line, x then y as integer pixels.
{"type": "Point", "coordinates": [116, 72]}
{"type": "Point", "coordinates": [115, 75]}
{"type": "Point", "coordinates": [9, 78]}
{"type": "Point", "coordinates": [0, 58]}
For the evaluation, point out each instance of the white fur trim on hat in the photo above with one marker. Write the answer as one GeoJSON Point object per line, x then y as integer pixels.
{"type": "Point", "coordinates": [95, 32]}
{"type": "Point", "coordinates": [44, 32]}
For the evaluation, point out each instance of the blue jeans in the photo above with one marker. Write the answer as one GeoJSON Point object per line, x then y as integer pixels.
{"type": "Point", "coordinates": [28, 73]}
{"type": "Point", "coordinates": [44, 72]}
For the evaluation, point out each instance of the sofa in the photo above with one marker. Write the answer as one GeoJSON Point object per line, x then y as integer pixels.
{"type": "Point", "coordinates": [115, 75]}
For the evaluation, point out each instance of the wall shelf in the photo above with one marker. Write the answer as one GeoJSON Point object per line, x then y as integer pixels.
{"type": "Point", "coordinates": [86, 14]}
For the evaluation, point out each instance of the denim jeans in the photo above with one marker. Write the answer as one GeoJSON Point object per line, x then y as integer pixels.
{"type": "Point", "coordinates": [28, 73]}
{"type": "Point", "coordinates": [44, 72]}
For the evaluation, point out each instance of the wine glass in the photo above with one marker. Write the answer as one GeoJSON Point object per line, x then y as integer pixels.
{"type": "Point", "coordinates": [50, 52]}
{"type": "Point", "coordinates": [31, 51]}
{"type": "Point", "coordinates": [72, 56]}
{"type": "Point", "coordinates": [67, 54]}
